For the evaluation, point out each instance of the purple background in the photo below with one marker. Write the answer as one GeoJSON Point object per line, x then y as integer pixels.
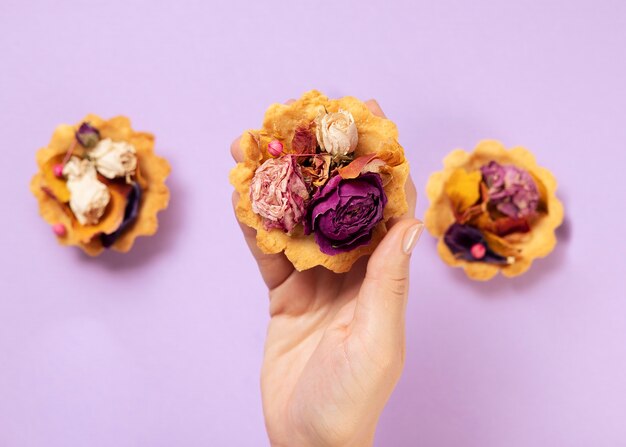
{"type": "Point", "coordinates": [162, 346]}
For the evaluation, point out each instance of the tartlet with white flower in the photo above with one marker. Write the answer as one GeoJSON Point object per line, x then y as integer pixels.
{"type": "Point", "coordinates": [493, 210]}
{"type": "Point", "coordinates": [320, 180]}
{"type": "Point", "coordinates": [100, 185]}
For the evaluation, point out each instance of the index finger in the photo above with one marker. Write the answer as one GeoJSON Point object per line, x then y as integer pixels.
{"type": "Point", "coordinates": [375, 108]}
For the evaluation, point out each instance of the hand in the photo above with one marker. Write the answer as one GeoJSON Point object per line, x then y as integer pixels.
{"type": "Point", "coordinates": [335, 343]}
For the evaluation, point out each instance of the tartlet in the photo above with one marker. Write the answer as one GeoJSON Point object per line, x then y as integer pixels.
{"type": "Point", "coordinates": [320, 180]}
{"type": "Point", "coordinates": [100, 184]}
{"type": "Point", "coordinates": [493, 210]}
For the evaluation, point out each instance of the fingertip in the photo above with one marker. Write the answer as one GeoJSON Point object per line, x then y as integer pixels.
{"type": "Point", "coordinates": [411, 236]}
{"type": "Point", "coordinates": [391, 252]}
{"type": "Point", "coordinates": [235, 150]}
{"type": "Point", "coordinates": [375, 108]}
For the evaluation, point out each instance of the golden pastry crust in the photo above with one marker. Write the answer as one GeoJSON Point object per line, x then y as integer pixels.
{"type": "Point", "coordinates": [538, 243]}
{"type": "Point", "coordinates": [376, 135]}
{"type": "Point", "coordinates": [151, 174]}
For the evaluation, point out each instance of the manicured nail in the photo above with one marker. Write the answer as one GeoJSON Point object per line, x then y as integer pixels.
{"type": "Point", "coordinates": [411, 236]}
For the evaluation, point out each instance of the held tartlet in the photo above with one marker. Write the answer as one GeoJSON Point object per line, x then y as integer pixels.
{"type": "Point", "coordinates": [320, 180]}
{"type": "Point", "coordinates": [100, 185]}
{"type": "Point", "coordinates": [493, 210]}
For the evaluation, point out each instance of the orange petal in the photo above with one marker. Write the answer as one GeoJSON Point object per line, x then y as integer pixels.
{"type": "Point", "coordinates": [353, 170]}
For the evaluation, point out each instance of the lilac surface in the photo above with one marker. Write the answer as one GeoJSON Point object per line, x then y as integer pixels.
{"type": "Point", "coordinates": [163, 346]}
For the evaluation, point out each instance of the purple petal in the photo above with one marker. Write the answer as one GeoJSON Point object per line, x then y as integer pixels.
{"type": "Point", "coordinates": [130, 215]}
{"type": "Point", "coordinates": [461, 238]}
{"type": "Point", "coordinates": [87, 135]}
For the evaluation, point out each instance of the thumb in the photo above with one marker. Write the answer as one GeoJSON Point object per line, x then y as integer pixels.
{"type": "Point", "coordinates": [382, 299]}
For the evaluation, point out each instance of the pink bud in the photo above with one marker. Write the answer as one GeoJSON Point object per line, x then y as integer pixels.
{"type": "Point", "coordinates": [59, 229]}
{"type": "Point", "coordinates": [478, 251]}
{"type": "Point", "coordinates": [58, 170]}
{"type": "Point", "coordinates": [275, 148]}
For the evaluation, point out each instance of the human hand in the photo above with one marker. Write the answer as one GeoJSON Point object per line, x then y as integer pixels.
{"type": "Point", "coordinates": [335, 342]}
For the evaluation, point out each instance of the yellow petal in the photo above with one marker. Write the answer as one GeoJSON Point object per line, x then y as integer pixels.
{"type": "Point", "coordinates": [463, 189]}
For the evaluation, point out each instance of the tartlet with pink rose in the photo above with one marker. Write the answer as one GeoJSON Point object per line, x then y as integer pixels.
{"type": "Point", "coordinates": [493, 210]}
{"type": "Point", "coordinates": [320, 180]}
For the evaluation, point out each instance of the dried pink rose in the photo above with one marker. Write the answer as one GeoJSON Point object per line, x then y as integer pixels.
{"type": "Point", "coordinates": [511, 189]}
{"type": "Point", "coordinates": [278, 193]}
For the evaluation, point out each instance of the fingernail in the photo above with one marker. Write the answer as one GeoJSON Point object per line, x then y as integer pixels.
{"type": "Point", "coordinates": [411, 236]}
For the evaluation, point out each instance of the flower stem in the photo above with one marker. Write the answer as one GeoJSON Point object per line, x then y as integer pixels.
{"type": "Point", "coordinates": [69, 152]}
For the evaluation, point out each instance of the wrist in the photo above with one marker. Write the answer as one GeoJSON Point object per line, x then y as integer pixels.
{"type": "Point", "coordinates": [358, 440]}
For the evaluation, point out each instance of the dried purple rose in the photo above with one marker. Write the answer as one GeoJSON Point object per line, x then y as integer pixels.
{"type": "Point", "coordinates": [512, 190]}
{"type": "Point", "coordinates": [468, 243]}
{"type": "Point", "coordinates": [344, 212]}
{"type": "Point", "coordinates": [278, 193]}
{"type": "Point", "coordinates": [87, 135]}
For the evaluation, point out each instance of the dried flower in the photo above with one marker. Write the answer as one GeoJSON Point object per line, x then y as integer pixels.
{"type": "Point", "coordinates": [337, 133]}
{"type": "Point", "coordinates": [316, 171]}
{"type": "Point", "coordinates": [478, 251]}
{"type": "Point", "coordinates": [88, 195]}
{"type": "Point", "coordinates": [114, 158]}
{"type": "Point", "coordinates": [59, 229]}
{"type": "Point", "coordinates": [469, 244]}
{"type": "Point", "coordinates": [343, 213]}
{"type": "Point", "coordinates": [57, 169]}
{"type": "Point", "coordinates": [87, 135]}
{"type": "Point", "coordinates": [512, 190]}
{"type": "Point", "coordinates": [275, 148]}
{"type": "Point", "coordinates": [278, 193]}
